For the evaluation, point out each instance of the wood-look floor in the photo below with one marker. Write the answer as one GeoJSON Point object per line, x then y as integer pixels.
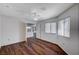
{"type": "Point", "coordinates": [32, 47]}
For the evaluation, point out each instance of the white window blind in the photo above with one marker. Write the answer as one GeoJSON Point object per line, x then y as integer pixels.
{"type": "Point", "coordinates": [64, 27]}
{"type": "Point", "coordinates": [53, 27]}
{"type": "Point", "coordinates": [47, 27]}
{"type": "Point", "coordinates": [67, 27]}
{"type": "Point", "coordinates": [61, 27]}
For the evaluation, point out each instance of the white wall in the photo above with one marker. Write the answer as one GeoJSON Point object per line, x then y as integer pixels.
{"type": "Point", "coordinates": [70, 45]}
{"type": "Point", "coordinates": [22, 31]}
{"type": "Point", "coordinates": [0, 32]}
{"type": "Point", "coordinates": [12, 30]}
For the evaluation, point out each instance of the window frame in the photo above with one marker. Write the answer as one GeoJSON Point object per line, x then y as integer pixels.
{"type": "Point", "coordinates": [64, 27]}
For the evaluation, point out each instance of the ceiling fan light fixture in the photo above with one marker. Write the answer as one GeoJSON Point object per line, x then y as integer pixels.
{"type": "Point", "coordinates": [35, 19]}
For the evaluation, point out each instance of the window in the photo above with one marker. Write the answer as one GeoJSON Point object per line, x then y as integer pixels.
{"type": "Point", "coordinates": [47, 27]}
{"type": "Point", "coordinates": [50, 27]}
{"type": "Point", "coordinates": [64, 27]}
{"type": "Point", "coordinates": [61, 27]}
{"type": "Point", "coordinates": [53, 27]}
{"type": "Point", "coordinates": [67, 27]}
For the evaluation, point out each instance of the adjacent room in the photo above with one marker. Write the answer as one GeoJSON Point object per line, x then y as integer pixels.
{"type": "Point", "coordinates": [39, 29]}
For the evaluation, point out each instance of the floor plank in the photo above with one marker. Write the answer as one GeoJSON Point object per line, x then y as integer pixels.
{"type": "Point", "coordinates": [32, 47]}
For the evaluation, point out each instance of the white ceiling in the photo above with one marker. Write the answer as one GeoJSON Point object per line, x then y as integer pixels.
{"type": "Point", "coordinates": [25, 11]}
